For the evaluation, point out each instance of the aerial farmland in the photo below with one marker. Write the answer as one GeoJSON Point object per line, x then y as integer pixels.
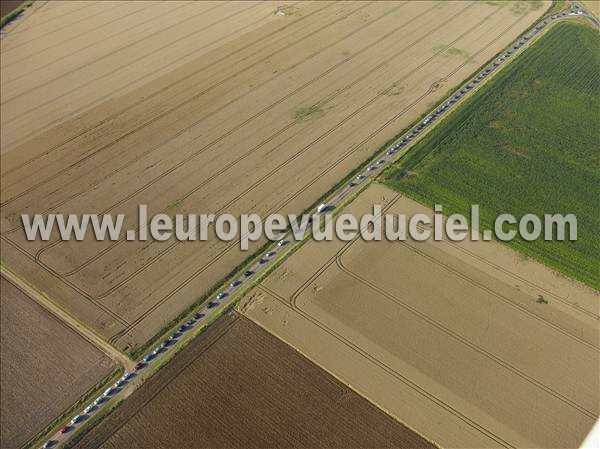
{"type": "Point", "coordinates": [46, 367]}
{"type": "Point", "coordinates": [432, 332]}
{"type": "Point", "coordinates": [286, 108]}
{"type": "Point", "coordinates": [286, 401]}
{"type": "Point", "coordinates": [449, 116]}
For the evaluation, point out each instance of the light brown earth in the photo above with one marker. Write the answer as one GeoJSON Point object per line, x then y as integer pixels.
{"type": "Point", "coordinates": [223, 129]}
{"type": "Point", "coordinates": [46, 367]}
{"type": "Point", "coordinates": [237, 386]}
{"type": "Point", "coordinates": [448, 337]}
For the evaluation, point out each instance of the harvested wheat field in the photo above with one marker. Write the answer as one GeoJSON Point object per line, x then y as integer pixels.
{"type": "Point", "coordinates": [207, 107]}
{"type": "Point", "coordinates": [449, 337]}
{"type": "Point", "coordinates": [237, 386]}
{"type": "Point", "coordinates": [46, 367]}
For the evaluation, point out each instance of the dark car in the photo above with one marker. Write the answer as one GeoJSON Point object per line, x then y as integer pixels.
{"type": "Point", "coordinates": [65, 429]}
{"type": "Point", "coordinates": [248, 273]}
{"type": "Point", "coordinates": [212, 304]}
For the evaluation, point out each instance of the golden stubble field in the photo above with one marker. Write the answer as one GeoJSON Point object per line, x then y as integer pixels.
{"type": "Point", "coordinates": [206, 108]}
{"type": "Point", "coordinates": [46, 367]}
{"type": "Point", "coordinates": [448, 337]}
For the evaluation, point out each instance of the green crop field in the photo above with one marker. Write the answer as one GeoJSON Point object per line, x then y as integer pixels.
{"type": "Point", "coordinates": [526, 142]}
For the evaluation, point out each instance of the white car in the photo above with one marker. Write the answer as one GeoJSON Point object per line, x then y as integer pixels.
{"type": "Point", "coordinates": [89, 409]}
{"type": "Point", "coordinates": [76, 419]}
{"type": "Point", "coordinates": [109, 391]}
{"type": "Point", "coordinates": [321, 208]}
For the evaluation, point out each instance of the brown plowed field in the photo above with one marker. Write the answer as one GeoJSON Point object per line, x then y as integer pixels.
{"type": "Point", "coordinates": [46, 367]}
{"type": "Point", "coordinates": [261, 113]}
{"type": "Point", "coordinates": [237, 386]}
{"type": "Point", "coordinates": [448, 337]}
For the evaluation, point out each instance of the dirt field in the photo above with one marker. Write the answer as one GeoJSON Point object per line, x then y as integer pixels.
{"type": "Point", "coordinates": [46, 367]}
{"type": "Point", "coordinates": [238, 386]}
{"type": "Point", "coordinates": [448, 337]}
{"type": "Point", "coordinates": [261, 113]}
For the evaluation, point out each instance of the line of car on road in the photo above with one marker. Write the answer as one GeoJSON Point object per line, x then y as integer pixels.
{"type": "Point", "coordinates": [430, 119]}
{"type": "Point", "coordinates": [221, 296]}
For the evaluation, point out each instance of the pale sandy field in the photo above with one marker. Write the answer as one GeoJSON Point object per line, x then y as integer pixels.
{"type": "Point", "coordinates": [447, 337]}
{"type": "Point", "coordinates": [592, 6]}
{"type": "Point", "coordinates": [46, 367]}
{"type": "Point", "coordinates": [198, 108]}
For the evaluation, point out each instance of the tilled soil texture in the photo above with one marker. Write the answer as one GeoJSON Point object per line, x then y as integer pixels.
{"type": "Point", "coordinates": [207, 107]}
{"type": "Point", "coordinates": [237, 386]}
{"type": "Point", "coordinates": [467, 342]}
{"type": "Point", "coordinates": [46, 367]}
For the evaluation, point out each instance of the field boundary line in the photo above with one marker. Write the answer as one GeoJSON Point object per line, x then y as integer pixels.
{"type": "Point", "coordinates": [154, 393]}
{"type": "Point", "coordinates": [462, 339]}
{"type": "Point", "coordinates": [230, 164]}
{"type": "Point", "coordinates": [531, 284]}
{"type": "Point", "coordinates": [65, 317]}
{"type": "Point", "coordinates": [405, 380]}
{"type": "Point", "coordinates": [234, 243]}
{"type": "Point", "coordinates": [207, 146]}
{"type": "Point", "coordinates": [69, 284]}
{"type": "Point", "coordinates": [503, 298]}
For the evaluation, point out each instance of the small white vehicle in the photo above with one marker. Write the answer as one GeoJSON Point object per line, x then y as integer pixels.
{"type": "Point", "coordinates": [89, 409]}
{"type": "Point", "coordinates": [109, 391]}
{"type": "Point", "coordinates": [321, 208]}
{"type": "Point", "coordinates": [76, 419]}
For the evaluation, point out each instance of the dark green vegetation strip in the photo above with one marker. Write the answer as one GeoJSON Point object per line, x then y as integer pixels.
{"type": "Point", "coordinates": [527, 142]}
{"type": "Point", "coordinates": [5, 20]}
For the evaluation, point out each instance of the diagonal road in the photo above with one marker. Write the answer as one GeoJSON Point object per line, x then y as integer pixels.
{"type": "Point", "coordinates": [159, 356]}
